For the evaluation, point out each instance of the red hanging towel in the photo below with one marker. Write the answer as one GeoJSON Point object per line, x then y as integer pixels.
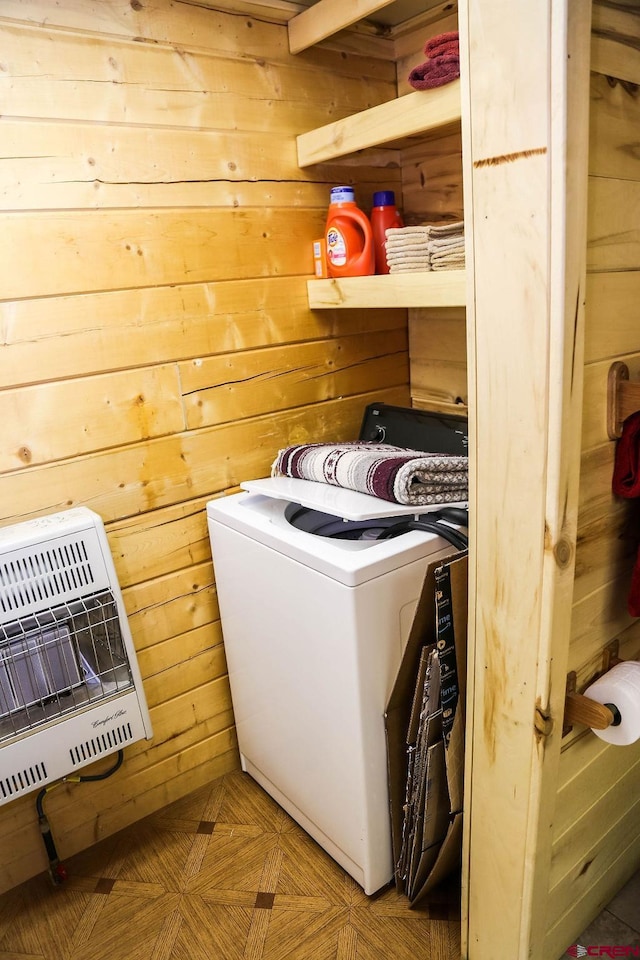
{"type": "Point", "coordinates": [626, 470]}
{"type": "Point", "coordinates": [626, 483]}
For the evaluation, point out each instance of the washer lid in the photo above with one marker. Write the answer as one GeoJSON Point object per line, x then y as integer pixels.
{"type": "Point", "coordinates": [347, 504]}
{"type": "Point", "coordinates": [262, 519]}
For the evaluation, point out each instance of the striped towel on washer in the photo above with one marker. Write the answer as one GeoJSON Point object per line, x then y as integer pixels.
{"type": "Point", "coordinates": [411, 477]}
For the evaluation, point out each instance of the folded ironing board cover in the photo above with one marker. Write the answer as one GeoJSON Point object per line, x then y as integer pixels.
{"type": "Point", "coordinates": [412, 477]}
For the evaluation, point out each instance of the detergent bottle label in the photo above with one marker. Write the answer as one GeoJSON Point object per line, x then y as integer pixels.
{"type": "Point", "coordinates": [336, 247]}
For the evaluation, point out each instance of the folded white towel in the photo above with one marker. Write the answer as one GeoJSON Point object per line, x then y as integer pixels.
{"type": "Point", "coordinates": [410, 267]}
{"type": "Point", "coordinates": [446, 243]}
{"type": "Point", "coordinates": [433, 229]}
{"type": "Point", "coordinates": [409, 257]}
{"type": "Point", "coordinates": [406, 231]}
{"type": "Point", "coordinates": [399, 248]}
{"type": "Point", "coordinates": [448, 263]}
{"type": "Point", "coordinates": [446, 229]}
{"type": "Point", "coordinates": [449, 258]}
{"type": "Point", "coordinates": [413, 265]}
{"type": "Point", "coordinates": [408, 243]}
{"type": "Point", "coordinates": [450, 255]}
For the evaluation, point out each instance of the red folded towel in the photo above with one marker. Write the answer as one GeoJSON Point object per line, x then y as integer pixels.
{"type": "Point", "coordinates": [444, 43]}
{"type": "Point", "coordinates": [626, 483]}
{"type": "Point", "coordinates": [451, 49]}
{"type": "Point", "coordinates": [443, 64]}
{"type": "Point", "coordinates": [435, 73]}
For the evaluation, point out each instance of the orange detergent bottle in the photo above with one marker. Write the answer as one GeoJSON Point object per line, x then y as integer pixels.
{"type": "Point", "coordinates": [384, 214]}
{"type": "Point", "coordinates": [349, 237]}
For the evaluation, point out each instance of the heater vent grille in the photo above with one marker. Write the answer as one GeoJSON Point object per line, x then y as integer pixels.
{"type": "Point", "coordinates": [70, 686]}
{"type": "Point", "coordinates": [22, 780]}
{"type": "Point", "coordinates": [59, 660]}
{"type": "Point", "coordinates": [41, 574]}
{"type": "Point", "coordinates": [106, 742]}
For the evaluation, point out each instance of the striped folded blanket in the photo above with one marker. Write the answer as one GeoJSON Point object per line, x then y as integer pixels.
{"type": "Point", "coordinates": [411, 477]}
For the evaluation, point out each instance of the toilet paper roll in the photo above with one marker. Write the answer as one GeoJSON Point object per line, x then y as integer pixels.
{"type": "Point", "coordinates": [620, 686]}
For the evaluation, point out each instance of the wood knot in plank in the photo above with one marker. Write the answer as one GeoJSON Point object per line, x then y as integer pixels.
{"type": "Point", "coordinates": [627, 85]}
{"type": "Point", "coordinates": [563, 552]}
{"type": "Point", "coordinates": [543, 722]}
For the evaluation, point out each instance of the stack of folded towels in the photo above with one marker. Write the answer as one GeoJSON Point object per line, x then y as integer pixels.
{"type": "Point", "coordinates": [443, 64]}
{"type": "Point", "coordinates": [426, 247]}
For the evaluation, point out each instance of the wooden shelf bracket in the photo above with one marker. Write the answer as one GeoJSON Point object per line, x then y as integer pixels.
{"type": "Point", "coordinates": [623, 398]}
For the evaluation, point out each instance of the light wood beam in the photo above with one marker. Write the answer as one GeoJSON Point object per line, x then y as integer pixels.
{"type": "Point", "coordinates": [420, 112]}
{"type": "Point", "coordinates": [326, 18]}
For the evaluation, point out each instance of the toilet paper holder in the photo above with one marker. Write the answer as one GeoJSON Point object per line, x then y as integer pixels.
{"type": "Point", "coordinates": [583, 710]}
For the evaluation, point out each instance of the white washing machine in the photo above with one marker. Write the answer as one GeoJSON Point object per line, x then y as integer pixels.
{"type": "Point", "coordinates": [314, 629]}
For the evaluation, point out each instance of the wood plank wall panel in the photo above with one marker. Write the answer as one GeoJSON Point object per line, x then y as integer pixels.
{"type": "Point", "coordinates": [432, 193]}
{"type": "Point", "coordinates": [432, 180]}
{"type": "Point", "coordinates": [128, 324]}
{"type": "Point", "coordinates": [157, 347]}
{"type": "Point", "coordinates": [596, 839]}
{"type": "Point", "coordinates": [222, 389]}
{"type": "Point", "coordinates": [437, 343]}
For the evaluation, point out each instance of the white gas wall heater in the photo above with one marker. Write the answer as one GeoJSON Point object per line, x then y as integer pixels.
{"type": "Point", "coordinates": [70, 687]}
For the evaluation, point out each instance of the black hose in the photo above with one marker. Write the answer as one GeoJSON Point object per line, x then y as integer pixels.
{"type": "Point", "coordinates": [455, 537]}
{"type": "Point", "coordinates": [80, 779]}
{"type": "Point", "coordinates": [57, 871]}
{"type": "Point", "coordinates": [107, 773]}
{"type": "Point", "coordinates": [458, 515]}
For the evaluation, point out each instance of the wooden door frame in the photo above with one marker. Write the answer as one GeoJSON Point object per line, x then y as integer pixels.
{"type": "Point", "coordinates": [525, 107]}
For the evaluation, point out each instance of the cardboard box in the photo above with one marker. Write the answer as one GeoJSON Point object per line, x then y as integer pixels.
{"type": "Point", "coordinates": [320, 269]}
{"type": "Point", "coordinates": [425, 721]}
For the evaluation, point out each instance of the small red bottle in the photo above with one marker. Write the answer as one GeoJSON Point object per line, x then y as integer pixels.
{"type": "Point", "coordinates": [384, 214]}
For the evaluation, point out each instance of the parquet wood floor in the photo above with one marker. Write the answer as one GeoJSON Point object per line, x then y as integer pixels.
{"type": "Point", "coordinates": [223, 874]}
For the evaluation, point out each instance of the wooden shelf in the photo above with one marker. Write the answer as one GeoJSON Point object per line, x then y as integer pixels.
{"type": "Point", "coordinates": [326, 18]}
{"type": "Point", "coordinates": [441, 288]}
{"type": "Point", "coordinates": [423, 112]}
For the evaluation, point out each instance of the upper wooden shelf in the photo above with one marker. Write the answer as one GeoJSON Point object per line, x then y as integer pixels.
{"type": "Point", "coordinates": [437, 288]}
{"type": "Point", "coordinates": [424, 111]}
{"type": "Point", "coordinates": [324, 18]}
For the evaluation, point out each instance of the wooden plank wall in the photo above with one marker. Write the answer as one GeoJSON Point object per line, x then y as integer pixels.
{"type": "Point", "coordinates": [156, 344]}
{"type": "Point", "coordinates": [596, 834]}
{"type": "Point", "coordinates": [432, 193]}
